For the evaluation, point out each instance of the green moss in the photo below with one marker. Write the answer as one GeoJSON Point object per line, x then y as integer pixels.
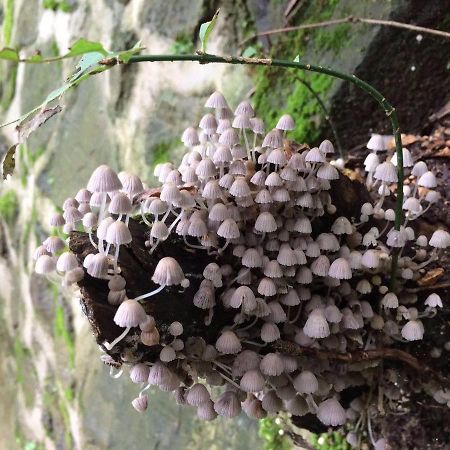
{"type": "Point", "coordinates": [183, 44]}
{"type": "Point", "coordinates": [330, 441]}
{"type": "Point", "coordinates": [57, 5]}
{"type": "Point", "coordinates": [8, 21]}
{"type": "Point", "coordinates": [159, 153]}
{"type": "Point", "coordinates": [9, 205]}
{"type": "Point", "coordinates": [279, 91]}
{"type": "Point", "coordinates": [273, 435]}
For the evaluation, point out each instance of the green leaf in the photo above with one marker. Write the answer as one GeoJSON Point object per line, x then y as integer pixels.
{"type": "Point", "coordinates": [297, 58]}
{"type": "Point", "coordinates": [82, 46]}
{"type": "Point", "coordinates": [9, 53]}
{"type": "Point", "coordinates": [249, 52]}
{"type": "Point", "coordinates": [205, 31]}
{"type": "Point", "coordinates": [88, 62]}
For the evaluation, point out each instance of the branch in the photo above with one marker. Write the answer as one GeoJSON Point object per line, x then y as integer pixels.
{"type": "Point", "coordinates": [352, 20]}
{"type": "Point", "coordinates": [364, 355]}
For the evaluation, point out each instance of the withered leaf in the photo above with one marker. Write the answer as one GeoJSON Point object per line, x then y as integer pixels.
{"type": "Point", "coordinates": [26, 128]}
{"type": "Point", "coordinates": [9, 162]}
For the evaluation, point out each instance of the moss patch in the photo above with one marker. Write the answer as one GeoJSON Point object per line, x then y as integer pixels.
{"type": "Point", "coordinates": [8, 21]}
{"type": "Point", "coordinates": [279, 91]}
{"type": "Point", "coordinates": [9, 206]}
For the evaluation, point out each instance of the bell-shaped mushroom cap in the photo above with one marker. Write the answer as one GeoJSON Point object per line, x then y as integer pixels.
{"type": "Point", "coordinates": [439, 239]}
{"type": "Point", "coordinates": [326, 147]}
{"type": "Point", "coordinates": [413, 330]}
{"type": "Point", "coordinates": [244, 296]}
{"type": "Point", "coordinates": [297, 406]}
{"type": "Point", "coordinates": [273, 139]}
{"type": "Point", "coordinates": [130, 313]}
{"type": "Point", "coordinates": [120, 204]}
{"type": "Point", "coordinates": [167, 354]}
{"type": "Point", "coordinates": [381, 444]}
{"type": "Point", "coordinates": [434, 301]}
{"type": "Point", "coordinates": [316, 325]}
{"type": "Point", "coordinates": [159, 374]}
{"type": "Point", "coordinates": [340, 269]}
{"type": "Point", "coordinates": [286, 123]}
{"type": "Point", "coordinates": [139, 373]}
{"type": "Point", "coordinates": [175, 329]}
{"type": "Point", "coordinates": [206, 411]}
{"type": "Point", "coordinates": [244, 109]}
{"type": "Point", "coordinates": [377, 142]}
{"type": "Point", "coordinates": [140, 404]}
{"type": "Point", "coordinates": [66, 261]}
{"type": "Point", "coordinates": [269, 332]}
{"type": "Point", "coordinates": [117, 283]}
{"type": "Point", "coordinates": [407, 158]}
{"type": "Point", "coordinates": [428, 180]}
{"type": "Point", "coordinates": [116, 297]}
{"type": "Point", "coordinates": [97, 265]}
{"type": "Point", "coordinates": [216, 100]}
{"type": "Point", "coordinates": [306, 383]}
{"type": "Point", "coordinates": [228, 229]}
{"type": "Point", "coordinates": [265, 223]}
{"type": "Point", "coordinates": [386, 172]}
{"type": "Point", "coordinates": [245, 361]}
{"type": "Point", "coordinates": [320, 266]}
{"type": "Point", "coordinates": [168, 272]}
{"type": "Point", "coordinates": [148, 324]}
{"type": "Point", "coordinates": [118, 233]}
{"type": "Point", "coordinates": [333, 314]}
{"type": "Point", "coordinates": [103, 227]}
{"type": "Point", "coordinates": [315, 156]}
{"type": "Point", "coordinates": [252, 381]}
{"type": "Point", "coordinates": [131, 184]}
{"type": "Point", "coordinates": [228, 343]}
{"type": "Point", "coordinates": [330, 412]}
{"type": "Point", "coordinates": [370, 259]}
{"type": "Point", "coordinates": [291, 298]}
{"type": "Point", "coordinates": [272, 364]}
{"type": "Point", "coordinates": [104, 179]}
{"type": "Point", "coordinates": [371, 162]}
{"type": "Point", "coordinates": [197, 395]}
{"type": "Point", "coordinates": [390, 300]}
{"type": "Point", "coordinates": [189, 138]}
{"type": "Point", "coordinates": [257, 125]}
{"type": "Point", "coordinates": [271, 402]}
{"type": "Point", "coordinates": [150, 338]}
{"type": "Point", "coordinates": [45, 264]}
{"type": "Point", "coordinates": [228, 405]}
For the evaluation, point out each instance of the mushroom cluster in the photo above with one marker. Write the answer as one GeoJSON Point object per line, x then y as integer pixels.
{"type": "Point", "coordinates": [285, 264]}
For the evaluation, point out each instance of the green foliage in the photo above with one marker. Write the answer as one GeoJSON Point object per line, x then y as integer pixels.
{"type": "Point", "coordinates": [330, 441]}
{"type": "Point", "coordinates": [273, 435]}
{"type": "Point", "coordinates": [160, 151]}
{"type": "Point", "coordinates": [57, 5]}
{"type": "Point", "coordinates": [183, 44]}
{"type": "Point", "coordinates": [9, 205]}
{"type": "Point", "coordinates": [8, 20]}
{"type": "Point", "coordinates": [205, 31]}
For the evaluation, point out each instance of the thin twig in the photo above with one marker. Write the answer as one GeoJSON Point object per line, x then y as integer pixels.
{"type": "Point", "coordinates": [352, 20]}
{"type": "Point", "coordinates": [364, 355]}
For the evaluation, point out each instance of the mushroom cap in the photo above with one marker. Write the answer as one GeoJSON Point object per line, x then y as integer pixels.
{"type": "Point", "coordinates": [168, 272]}
{"type": "Point", "coordinates": [104, 179]}
{"type": "Point", "coordinates": [130, 313]}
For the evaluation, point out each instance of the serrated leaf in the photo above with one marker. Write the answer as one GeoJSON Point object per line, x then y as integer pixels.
{"type": "Point", "coordinates": [87, 62]}
{"type": "Point", "coordinates": [9, 53]}
{"type": "Point", "coordinates": [205, 31]}
{"type": "Point", "coordinates": [9, 162]}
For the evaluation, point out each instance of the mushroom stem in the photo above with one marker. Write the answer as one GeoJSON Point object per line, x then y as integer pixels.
{"type": "Point", "coordinates": [149, 294]}
{"type": "Point", "coordinates": [110, 346]}
{"type": "Point", "coordinates": [143, 216]}
{"type": "Point", "coordinates": [102, 207]}
{"type": "Point", "coordinates": [92, 240]}
{"type": "Point", "coordinates": [116, 259]}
